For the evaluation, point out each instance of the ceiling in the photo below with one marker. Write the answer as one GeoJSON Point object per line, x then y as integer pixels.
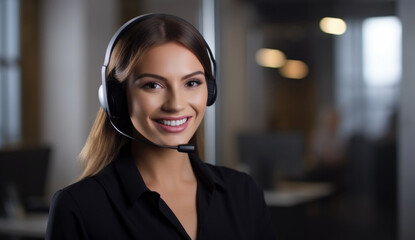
{"type": "Point", "coordinates": [270, 11]}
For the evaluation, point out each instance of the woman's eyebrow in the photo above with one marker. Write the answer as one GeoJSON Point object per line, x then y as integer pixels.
{"type": "Point", "coordinates": [193, 74]}
{"type": "Point", "coordinates": [151, 75]}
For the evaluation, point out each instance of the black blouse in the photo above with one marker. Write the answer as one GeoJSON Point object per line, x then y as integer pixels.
{"type": "Point", "coordinates": [116, 204]}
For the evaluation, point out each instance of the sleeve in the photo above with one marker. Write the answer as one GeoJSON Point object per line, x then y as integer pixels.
{"type": "Point", "coordinates": [264, 227]}
{"type": "Point", "coordinates": [64, 221]}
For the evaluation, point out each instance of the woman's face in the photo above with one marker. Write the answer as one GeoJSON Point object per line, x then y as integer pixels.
{"type": "Point", "coordinates": [167, 94]}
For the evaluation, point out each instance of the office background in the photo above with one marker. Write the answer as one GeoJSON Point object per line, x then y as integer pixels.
{"type": "Point", "coordinates": [62, 45]}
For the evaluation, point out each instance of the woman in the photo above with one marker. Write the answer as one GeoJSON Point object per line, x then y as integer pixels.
{"type": "Point", "coordinates": [158, 78]}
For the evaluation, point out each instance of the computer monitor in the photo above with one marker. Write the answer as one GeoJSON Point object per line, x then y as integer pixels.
{"type": "Point", "coordinates": [23, 172]}
{"type": "Point", "coordinates": [272, 156]}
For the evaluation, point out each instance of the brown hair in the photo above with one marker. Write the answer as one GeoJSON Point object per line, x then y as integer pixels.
{"type": "Point", "coordinates": [104, 142]}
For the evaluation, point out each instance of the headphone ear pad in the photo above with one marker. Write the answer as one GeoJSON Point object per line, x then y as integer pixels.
{"type": "Point", "coordinates": [117, 102]}
{"type": "Point", "coordinates": [211, 85]}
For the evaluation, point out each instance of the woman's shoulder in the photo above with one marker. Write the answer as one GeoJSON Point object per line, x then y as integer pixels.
{"type": "Point", "coordinates": [83, 200]}
{"type": "Point", "coordinates": [87, 188]}
{"type": "Point", "coordinates": [82, 186]}
{"type": "Point", "coordinates": [78, 192]}
{"type": "Point", "coordinates": [247, 200]}
{"type": "Point", "coordinates": [228, 173]}
{"type": "Point", "coordinates": [79, 206]}
{"type": "Point", "coordinates": [235, 180]}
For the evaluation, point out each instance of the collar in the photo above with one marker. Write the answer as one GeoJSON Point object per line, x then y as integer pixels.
{"type": "Point", "coordinates": [205, 173]}
{"type": "Point", "coordinates": [133, 184]}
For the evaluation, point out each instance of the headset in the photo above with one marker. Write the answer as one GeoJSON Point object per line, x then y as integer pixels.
{"type": "Point", "coordinates": [112, 96]}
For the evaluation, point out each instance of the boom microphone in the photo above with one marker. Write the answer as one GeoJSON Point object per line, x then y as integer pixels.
{"type": "Point", "coordinates": [185, 148]}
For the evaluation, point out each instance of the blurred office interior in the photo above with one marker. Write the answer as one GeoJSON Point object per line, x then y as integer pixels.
{"type": "Point", "coordinates": [314, 101]}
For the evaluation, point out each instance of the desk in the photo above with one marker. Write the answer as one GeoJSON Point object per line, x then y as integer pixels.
{"type": "Point", "coordinates": [30, 226]}
{"type": "Point", "coordinates": [292, 193]}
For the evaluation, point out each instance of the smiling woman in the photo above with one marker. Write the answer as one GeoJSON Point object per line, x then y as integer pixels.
{"type": "Point", "coordinates": [168, 99]}
{"type": "Point", "coordinates": [157, 82]}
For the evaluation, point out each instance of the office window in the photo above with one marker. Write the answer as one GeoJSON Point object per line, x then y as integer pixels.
{"type": "Point", "coordinates": [9, 72]}
{"type": "Point", "coordinates": [368, 74]}
{"type": "Point", "coordinates": [382, 70]}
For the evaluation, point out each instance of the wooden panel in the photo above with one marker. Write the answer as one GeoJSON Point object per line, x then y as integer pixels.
{"type": "Point", "coordinates": [31, 84]}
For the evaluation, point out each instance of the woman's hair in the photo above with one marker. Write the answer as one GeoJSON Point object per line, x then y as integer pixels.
{"type": "Point", "coordinates": [104, 142]}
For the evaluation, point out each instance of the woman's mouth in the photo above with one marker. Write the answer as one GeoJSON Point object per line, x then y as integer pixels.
{"type": "Point", "coordinates": [173, 125]}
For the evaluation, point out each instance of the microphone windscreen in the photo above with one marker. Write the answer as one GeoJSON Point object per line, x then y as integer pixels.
{"type": "Point", "coordinates": [186, 148]}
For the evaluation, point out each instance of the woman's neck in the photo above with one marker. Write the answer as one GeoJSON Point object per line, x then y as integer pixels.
{"type": "Point", "coordinates": [162, 167]}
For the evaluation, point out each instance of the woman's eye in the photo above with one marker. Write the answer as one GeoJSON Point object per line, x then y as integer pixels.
{"type": "Point", "coordinates": [152, 85]}
{"type": "Point", "coordinates": [193, 83]}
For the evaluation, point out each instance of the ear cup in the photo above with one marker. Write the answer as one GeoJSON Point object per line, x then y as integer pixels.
{"type": "Point", "coordinates": [117, 102]}
{"type": "Point", "coordinates": [211, 85]}
{"type": "Point", "coordinates": [117, 107]}
{"type": "Point", "coordinates": [211, 80]}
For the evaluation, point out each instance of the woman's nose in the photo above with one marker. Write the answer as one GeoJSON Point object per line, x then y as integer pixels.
{"type": "Point", "coordinates": [174, 102]}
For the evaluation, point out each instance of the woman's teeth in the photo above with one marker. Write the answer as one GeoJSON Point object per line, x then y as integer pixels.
{"type": "Point", "coordinates": [173, 122]}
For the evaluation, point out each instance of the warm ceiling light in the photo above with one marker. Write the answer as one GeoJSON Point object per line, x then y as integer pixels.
{"type": "Point", "coordinates": [272, 58]}
{"type": "Point", "coordinates": [334, 26]}
{"type": "Point", "coordinates": [294, 69]}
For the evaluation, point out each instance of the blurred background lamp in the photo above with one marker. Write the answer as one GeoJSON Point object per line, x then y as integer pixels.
{"type": "Point", "coordinates": [271, 58]}
{"type": "Point", "coordinates": [334, 26]}
{"type": "Point", "coordinates": [294, 69]}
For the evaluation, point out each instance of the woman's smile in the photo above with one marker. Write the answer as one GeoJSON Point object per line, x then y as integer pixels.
{"type": "Point", "coordinates": [173, 125]}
